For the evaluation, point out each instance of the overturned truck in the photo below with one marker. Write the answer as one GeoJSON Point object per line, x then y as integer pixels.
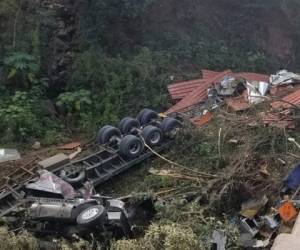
{"type": "Point", "coordinates": [62, 200]}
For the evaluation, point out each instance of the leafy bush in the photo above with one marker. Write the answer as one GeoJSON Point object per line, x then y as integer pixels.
{"type": "Point", "coordinates": [18, 115]}
{"type": "Point", "coordinates": [22, 68]}
{"type": "Point", "coordinates": [75, 101]}
{"type": "Point", "coordinates": [162, 237]}
{"type": "Point", "coordinates": [21, 241]}
{"type": "Point", "coordinates": [78, 105]}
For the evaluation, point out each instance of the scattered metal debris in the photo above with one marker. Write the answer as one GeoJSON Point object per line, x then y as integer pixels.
{"type": "Point", "coordinates": [9, 155]}
{"type": "Point", "coordinates": [218, 240]}
{"type": "Point", "coordinates": [284, 77]}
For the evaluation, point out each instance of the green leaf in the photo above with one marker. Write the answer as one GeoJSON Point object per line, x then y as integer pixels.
{"type": "Point", "coordinates": [12, 73]}
{"type": "Point", "coordinates": [77, 105]}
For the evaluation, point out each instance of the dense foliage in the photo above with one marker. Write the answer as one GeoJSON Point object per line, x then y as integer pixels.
{"type": "Point", "coordinates": [124, 53]}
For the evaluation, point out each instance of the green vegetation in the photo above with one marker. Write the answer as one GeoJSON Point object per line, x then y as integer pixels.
{"type": "Point", "coordinates": [123, 57]}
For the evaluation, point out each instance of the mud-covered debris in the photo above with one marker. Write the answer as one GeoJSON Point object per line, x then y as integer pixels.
{"type": "Point", "coordinates": [253, 206]}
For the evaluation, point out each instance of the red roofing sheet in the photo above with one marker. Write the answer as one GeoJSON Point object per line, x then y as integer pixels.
{"type": "Point", "coordinates": [179, 90]}
{"type": "Point", "coordinates": [293, 98]}
{"type": "Point", "coordinates": [249, 76]}
{"type": "Point", "coordinates": [202, 120]}
{"type": "Point", "coordinates": [284, 90]}
{"type": "Point", "coordinates": [277, 120]}
{"type": "Point", "coordinates": [209, 73]}
{"type": "Point", "coordinates": [238, 103]}
{"type": "Point", "coordinates": [198, 94]}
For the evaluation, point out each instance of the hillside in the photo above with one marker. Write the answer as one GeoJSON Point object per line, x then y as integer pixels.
{"type": "Point", "coordinates": [68, 67]}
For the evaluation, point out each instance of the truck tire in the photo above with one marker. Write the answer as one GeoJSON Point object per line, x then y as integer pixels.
{"type": "Point", "coordinates": [127, 125]}
{"type": "Point", "coordinates": [169, 126]}
{"type": "Point", "coordinates": [107, 133]}
{"type": "Point", "coordinates": [70, 179]}
{"type": "Point", "coordinates": [100, 132]}
{"type": "Point", "coordinates": [131, 146]}
{"type": "Point", "coordinates": [92, 215]}
{"type": "Point", "coordinates": [146, 115]}
{"type": "Point", "coordinates": [152, 135]}
{"type": "Point", "coordinates": [78, 209]}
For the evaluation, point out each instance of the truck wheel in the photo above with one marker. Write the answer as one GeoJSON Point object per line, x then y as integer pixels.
{"type": "Point", "coordinates": [73, 178]}
{"type": "Point", "coordinates": [146, 115]}
{"type": "Point", "coordinates": [100, 132]}
{"type": "Point", "coordinates": [107, 133]}
{"type": "Point", "coordinates": [127, 124]}
{"type": "Point", "coordinates": [78, 209]}
{"type": "Point", "coordinates": [131, 146]}
{"type": "Point", "coordinates": [169, 127]}
{"type": "Point", "coordinates": [152, 135]}
{"type": "Point", "coordinates": [91, 215]}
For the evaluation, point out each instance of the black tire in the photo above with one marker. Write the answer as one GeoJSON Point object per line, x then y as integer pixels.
{"type": "Point", "coordinates": [95, 214]}
{"type": "Point", "coordinates": [152, 135]}
{"type": "Point", "coordinates": [140, 114]}
{"type": "Point", "coordinates": [131, 146]}
{"type": "Point", "coordinates": [100, 132]}
{"type": "Point", "coordinates": [146, 115]}
{"type": "Point", "coordinates": [72, 180]}
{"type": "Point", "coordinates": [127, 124]}
{"type": "Point", "coordinates": [169, 127]}
{"type": "Point", "coordinates": [106, 133]}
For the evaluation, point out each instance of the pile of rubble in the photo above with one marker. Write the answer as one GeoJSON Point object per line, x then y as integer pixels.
{"type": "Point", "coordinates": [264, 221]}
{"type": "Point", "coordinates": [238, 92]}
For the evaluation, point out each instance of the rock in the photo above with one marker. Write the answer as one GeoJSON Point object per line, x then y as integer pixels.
{"type": "Point", "coordinates": [36, 145]}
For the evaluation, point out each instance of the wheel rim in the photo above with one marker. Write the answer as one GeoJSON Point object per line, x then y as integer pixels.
{"type": "Point", "coordinates": [155, 138]}
{"type": "Point", "coordinates": [172, 133]}
{"type": "Point", "coordinates": [135, 148]}
{"type": "Point", "coordinates": [90, 213]}
{"type": "Point", "coordinates": [133, 129]}
{"type": "Point", "coordinates": [112, 138]}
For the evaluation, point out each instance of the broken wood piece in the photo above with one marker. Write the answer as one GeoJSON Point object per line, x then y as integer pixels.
{"type": "Point", "coordinates": [264, 170]}
{"type": "Point", "coordinates": [54, 161]}
{"type": "Point", "coordinates": [162, 192]}
{"type": "Point", "coordinates": [27, 170]}
{"type": "Point", "coordinates": [171, 174]}
{"type": "Point", "coordinates": [70, 146]}
{"type": "Point", "coordinates": [73, 155]}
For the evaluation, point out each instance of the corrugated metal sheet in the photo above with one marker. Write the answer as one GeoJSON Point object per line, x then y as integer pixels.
{"type": "Point", "coordinates": [198, 95]}
{"type": "Point", "coordinates": [284, 90]}
{"type": "Point", "coordinates": [277, 120]}
{"type": "Point", "coordinates": [249, 76]}
{"type": "Point", "coordinates": [293, 98]}
{"type": "Point", "coordinates": [179, 90]}
{"type": "Point", "coordinates": [206, 74]}
{"type": "Point", "coordinates": [238, 103]}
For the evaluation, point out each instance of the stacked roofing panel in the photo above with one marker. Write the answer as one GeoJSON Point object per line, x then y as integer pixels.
{"type": "Point", "coordinates": [180, 90]}
{"type": "Point", "coordinates": [198, 94]}
{"type": "Point", "coordinates": [288, 101]}
{"type": "Point", "coordinates": [206, 74]}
